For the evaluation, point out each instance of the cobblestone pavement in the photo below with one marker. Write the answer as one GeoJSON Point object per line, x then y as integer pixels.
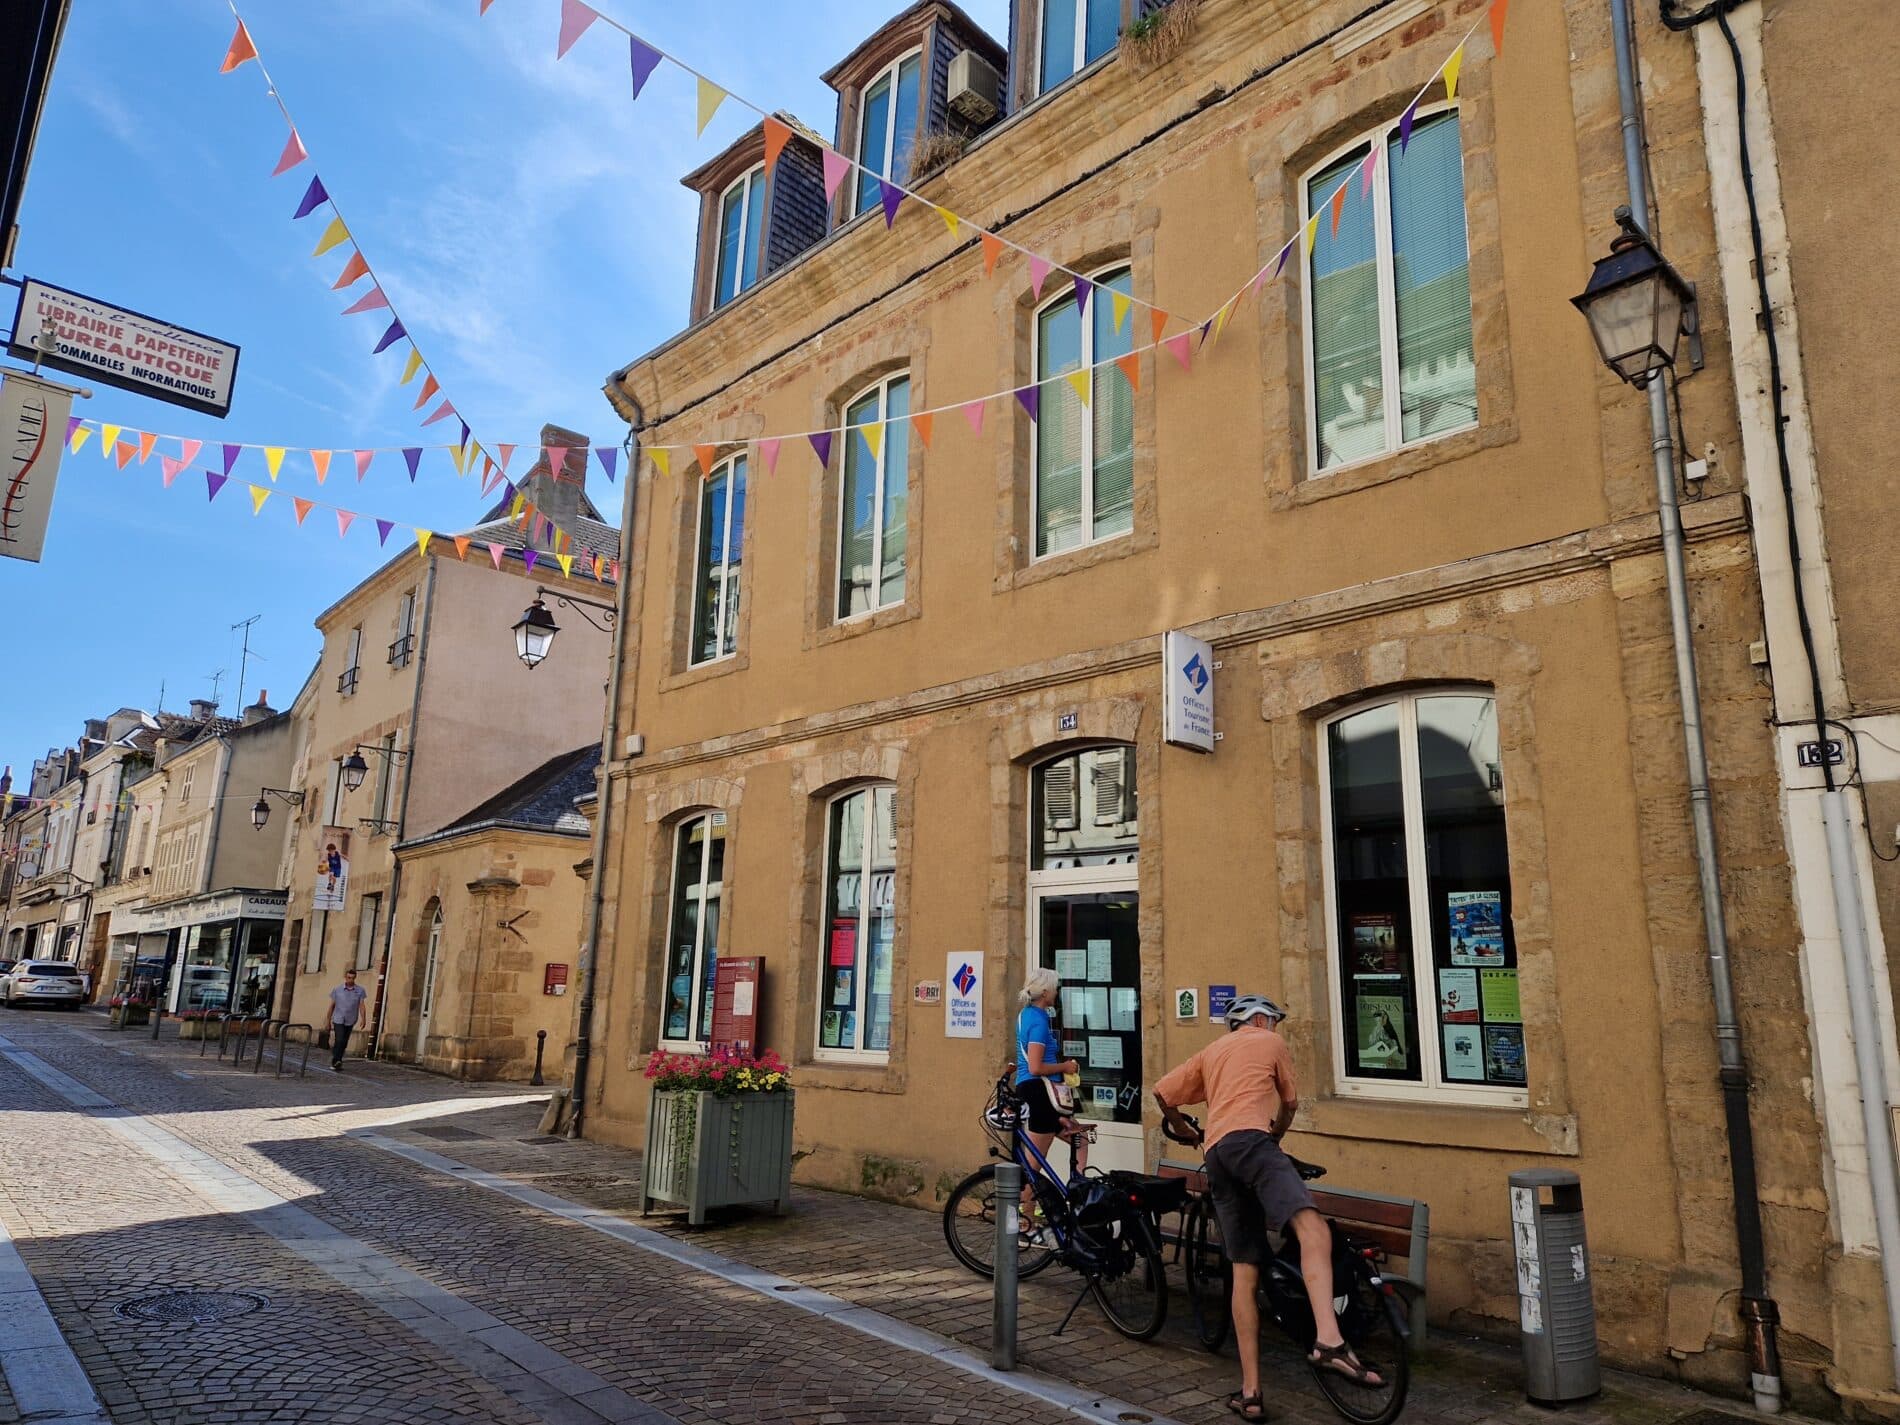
{"type": "Point", "coordinates": [411, 1281]}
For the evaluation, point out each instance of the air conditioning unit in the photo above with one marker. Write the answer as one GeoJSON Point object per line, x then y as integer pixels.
{"type": "Point", "coordinates": [976, 89]}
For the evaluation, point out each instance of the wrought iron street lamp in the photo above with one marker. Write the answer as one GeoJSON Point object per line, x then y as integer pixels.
{"type": "Point", "coordinates": [354, 768]}
{"type": "Point", "coordinates": [535, 629]}
{"type": "Point", "coordinates": [1638, 307]}
{"type": "Point", "coordinates": [260, 809]}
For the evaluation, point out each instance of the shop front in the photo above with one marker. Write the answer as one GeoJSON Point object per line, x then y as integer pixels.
{"type": "Point", "coordinates": [221, 950]}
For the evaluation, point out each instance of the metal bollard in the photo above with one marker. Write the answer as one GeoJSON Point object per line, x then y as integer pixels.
{"type": "Point", "coordinates": [540, 1046]}
{"type": "Point", "coordinates": [1009, 1193]}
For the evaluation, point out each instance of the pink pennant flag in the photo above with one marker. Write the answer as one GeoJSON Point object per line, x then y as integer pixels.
{"type": "Point", "coordinates": [557, 460]}
{"type": "Point", "coordinates": [836, 167]}
{"type": "Point", "coordinates": [495, 552]}
{"type": "Point", "coordinates": [507, 453]}
{"type": "Point", "coordinates": [768, 453]}
{"type": "Point", "coordinates": [445, 409]}
{"type": "Point", "coordinates": [575, 18]}
{"type": "Point", "coordinates": [292, 156]}
{"type": "Point", "coordinates": [363, 458]}
{"type": "Point", "coordinates": [171, 468]}
{"type": "Point", "coordinates": [188, 450]}
{"type": "Point", "coordinates": [343, 518]}
{"type": "Point", "coordinates": [1181, 348]}
{"type": "Point", "coordinates": [1038, 273]}
{"type": "Point", "coordinates": [973, 412]}
{"type": "Point", "coordinates": [1367, 170]}
{"type": "Point", "coordinates": [369, 302]}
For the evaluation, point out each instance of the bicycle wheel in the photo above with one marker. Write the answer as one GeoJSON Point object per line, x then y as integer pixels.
{"type": "Point", "coordinates": [969, 1226]}
{"type": "Point", "coordinates": [1373, 1326]}
{"type": "Point", "coordinates": [1135, 1297]}
{"type": "Point", "coordinates": [1210, 1279]}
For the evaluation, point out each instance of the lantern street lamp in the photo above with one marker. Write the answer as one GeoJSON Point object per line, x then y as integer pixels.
{"type": "Point", "coordinates": [260, 809]}
{"type": "Point", "coordinates": [535, 629]}
{"type": "Point", "coordinates": [1639, 307]}
{"type": "Point", "coordinates": [354, 768]}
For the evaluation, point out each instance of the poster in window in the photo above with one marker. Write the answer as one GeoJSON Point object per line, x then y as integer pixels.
{"type": "Point", "coordinates": [844, 942]}
{"type": "Point", "coordinates": [1101, 961]}
{"type": "Point", "coordinates": [848, 1030]}
{"type": "Point", "coordinates": [1477, 927]}
{"type": "Point", "coordinates": [1105, 1051]}
{"type": "Point", "coordinates": [828, 1030]}
{"type": "Point", "coordinates": [1375, 945]}
{"type": "Point", "coordinates": [1501, 1005]}
{"type": "Point", "coordinates": [1463, 1059]}
{"type": "Point", "coordinates": [841, 988]}
{"type": "Point", "coordinates": [1504, 1053]}
{"type": "Point", "coordinates": [1123, 1007]}
{"type": "Point", "coordinates": [1382, 1033]}
{"type": "Point", "coordinates": [1072, 965]}
{"type": "Point", "coordinates": [1077, 1049]}
{"type": "Point", "coordinates": [682, 991]}
{"type": "Point", "coordinates": [880, 1037]}
{"type": "Point", "coordinates": [1458, 997]}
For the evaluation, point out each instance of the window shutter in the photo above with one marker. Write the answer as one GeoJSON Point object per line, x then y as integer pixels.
{"type": "Point", "coordinates": [1109, 782]}
{"type": "Point", "coordinates": [1058, 796]}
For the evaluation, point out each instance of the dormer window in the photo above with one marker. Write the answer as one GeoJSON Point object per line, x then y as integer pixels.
{"type": "Point", "coordinates": [888, 127]}
{"type": "Point", "coordinates": [741, 216]}
{"type": "Point", "coordinates": [1075, 33]}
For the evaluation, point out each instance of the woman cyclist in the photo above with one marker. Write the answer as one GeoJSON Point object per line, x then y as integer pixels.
{"type": "Point", "coordinates": [1049, 1103]}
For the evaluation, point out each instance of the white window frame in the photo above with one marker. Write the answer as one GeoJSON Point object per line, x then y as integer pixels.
{"type": "Point", "coordinates": [894, 72]}
{"type": "Point", "coordinates": [1389, 394]}
{"type": "Point", "coordinates": [713, 818]}
{"type": "Point", "coordinates": [367, 915]}
{"type": "Point", "coordinates": [740, 286]}
{"type": "Point", "coordinates": [1433, 1086]}
{"type": "Point", "coordinates": [1079, 48]}
{"type": "Point", "coordinates": [430, 968]}
{"type": "Point", "coordinates": [353, 663]}
{"type": "Point", "coordinates": [386, 776]}
{"type": "Point", "coordinates": [725, 467]}
{"type": "Point", "coordinates": [1087, 322]}
{"type": "Point", "coordinates": [882, 389]}
{"type": "Point", "coordinates": [860, 1003]}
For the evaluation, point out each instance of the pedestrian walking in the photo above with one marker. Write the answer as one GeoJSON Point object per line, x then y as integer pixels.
{"type": "Point", "coordinates": [346, 1016]}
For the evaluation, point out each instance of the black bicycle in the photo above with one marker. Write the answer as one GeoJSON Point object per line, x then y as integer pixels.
{"type": "Point", "coordinates": [1102, 1226]}
{"type": "Point", "coordinates": [1371, 1317]}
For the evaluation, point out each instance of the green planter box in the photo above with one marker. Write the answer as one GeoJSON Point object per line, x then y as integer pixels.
{"type": "Point", "coordinates": [704, 1151]}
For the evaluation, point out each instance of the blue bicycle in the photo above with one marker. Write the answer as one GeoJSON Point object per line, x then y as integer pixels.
{"type": "Point", "coordinates": [1102, 1226]}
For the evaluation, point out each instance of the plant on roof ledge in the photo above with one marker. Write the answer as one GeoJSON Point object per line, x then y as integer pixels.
{"type": "Point", "coordinates": [934, 150]}
{"type": "Point", "coordinates": [1160, 33]}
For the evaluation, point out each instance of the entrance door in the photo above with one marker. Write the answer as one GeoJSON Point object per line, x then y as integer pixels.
{"type": "Point", "coordinates": [428, 983]}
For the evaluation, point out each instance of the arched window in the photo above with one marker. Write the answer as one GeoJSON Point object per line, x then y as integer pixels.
{"type": "Point", "coordinates": [432, 959]}
{"type": "Point", "coordinates": [1389, 355]}
{"type": "Point", "coordinates": [699, 869]}
{"type": "Point", "coordinates": [887, 128]}
{"type": "Point", "coordinates": [1084, 451]}
{"type": "Point", "coordinates": [854, 1009]}
{"type": "Point", "coordinates": [1424, 965]}
{"type": "Point", "coordinates": [874, 503]}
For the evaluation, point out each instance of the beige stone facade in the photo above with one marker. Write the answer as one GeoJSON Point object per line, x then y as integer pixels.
{"type": "Point", "coordinates": [1516, 560]}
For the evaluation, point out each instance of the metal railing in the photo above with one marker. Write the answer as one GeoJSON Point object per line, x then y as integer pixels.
{"type": "Point", "coordinates": [283, 1045]}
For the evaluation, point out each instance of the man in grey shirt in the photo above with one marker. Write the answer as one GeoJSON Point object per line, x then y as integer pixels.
{"type": "Point", "coordinates": [346, 1016]}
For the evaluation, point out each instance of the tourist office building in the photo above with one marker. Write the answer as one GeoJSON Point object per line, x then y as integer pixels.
{"type": "Point", "coordinates": [902, 710]}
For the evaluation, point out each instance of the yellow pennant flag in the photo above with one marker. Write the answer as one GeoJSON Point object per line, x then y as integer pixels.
{"type": "Point", "coordinates": [1312, 232]}
{"type": "Point", "coordinates": [459, 454]}
{"type": "Point", "coordinates": [1452, 66]}
{"type": "Point", "coordinates": [662, 459]}
{"type": "Point", "coordinates": [514, 511]}
{"type": "Point", "coordinates": [108, 437]}
{"type": "Point", "coordinates": [1220, 321]}
{"type": "Point", "coordinates": [79, 437]}
{"type": "Point", "coordinates": [412, 366]}
{"type": "Point", "coordinates": [332, 235]}
{"type": "Point", "coordinates": [259, 494]}
{"type": "Point", "coordinates": [567, 565]}
{"type": "Point", "coordinates": [1122, 302]}
{"type": "Point", "coordinates": [423, 537]}
{"type": "Point", "coordinates": [949, 221]}
{"type": "Point", "coordinates": [874, 438]}
{"type": "Point", "coordinates": [711, 96]}
{"type": "Point", "coordinates": [274, 460]}
{"type": "Point", "coordinates": [1081, 381]}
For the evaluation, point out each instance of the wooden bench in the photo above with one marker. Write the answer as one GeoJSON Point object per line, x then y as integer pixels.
{"type": "Point", "coordinates": [1398, 1226]}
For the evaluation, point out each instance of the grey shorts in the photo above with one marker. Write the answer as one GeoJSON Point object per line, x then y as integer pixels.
{"type": "Point", "coordinates": [1256, 1190]}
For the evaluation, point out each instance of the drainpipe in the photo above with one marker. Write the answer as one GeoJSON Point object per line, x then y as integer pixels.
{"type": "Point", "coordinates": [610, 741]}
{"type": "Point", "coordinates": [381, 1006]}
{"type": "Point", "coordinates": [1760, 1316]}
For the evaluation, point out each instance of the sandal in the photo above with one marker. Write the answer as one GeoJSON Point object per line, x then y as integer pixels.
{"type": "Point", "coordinates": [1341, 1361]}
{"type": "Point", "coordinates": [1247, 1407]}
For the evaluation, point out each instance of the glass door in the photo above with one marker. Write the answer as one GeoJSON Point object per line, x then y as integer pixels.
{"type": "Point", "coordinates": [1091, 938]}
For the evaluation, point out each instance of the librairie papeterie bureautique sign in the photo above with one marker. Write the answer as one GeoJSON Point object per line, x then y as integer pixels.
{"type": "Point", "coordinates": [99, 342]}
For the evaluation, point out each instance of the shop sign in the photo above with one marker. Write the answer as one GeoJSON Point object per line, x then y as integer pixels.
{"type": "Point", "coordinates": [204, 910]}
{"type": "Point", "coordinates": [1187, 718]}
{"type": "Point", "coordinates": [33, 417]}
{"type": "Point", "coordinates": [332, 882]}
{"type": "Point", "coordinates": [963, 997]}
{"type": "Point", "coordinates": [123, 348]}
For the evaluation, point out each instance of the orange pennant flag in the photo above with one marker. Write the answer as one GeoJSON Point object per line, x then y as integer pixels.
{"type": "Point", "coordinates": [992, 251]}
{"type": "Point", "coordinates": [320, 459]}
{"type": "Point", "coordinates": [777, 135]}
{"type": "Point", "coordinates": [303, 506]}
{"type": "Point", "coordinates": [1131, 368]}
{"type": "Point", "coordinates": [354, 270]}
{"type": "Point", "coordinates": [923, 421]}
{"type": "Point", "coordinates": [461, 547]}
{"type": "Point", "coordinates": [1159, 319]}
{"type": "Point", "coordinates": [705, 454]}
{"type": "Point", "coordinates": [1498, 9]}
{"type": "Point", "coordinates": [146, 441]}
{"type": "Point", "coordinates": [429, 387]}
{"type": "Point", "coordinates": [1339, 205]}
{"type": "Point", "coordinates": [123, 453]}
{"type": "Point", "coordinates": [241, 50]}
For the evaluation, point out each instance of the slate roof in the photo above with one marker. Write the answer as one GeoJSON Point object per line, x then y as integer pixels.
{"type": "Point", "coordinates": [590, 537]}
{"type": "Point", "coordinates": [541, 801]}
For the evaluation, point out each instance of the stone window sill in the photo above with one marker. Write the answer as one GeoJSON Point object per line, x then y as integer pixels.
{"type": "Point", "coordinates": [1448, 1125]}
{"type": "Point", "coordinates": [705, 672]}
{"type": "Point", "coordinates": [860, 624]}
{"type": "Point", "coordinates": [867, 1076]}
{"type": "Point", "coordinates": [1086, 556]}
{"type": "Point", "coordinates": [1401, 465]}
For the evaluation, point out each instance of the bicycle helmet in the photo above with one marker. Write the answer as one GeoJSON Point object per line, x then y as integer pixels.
{"type": "Point", "coordinates": [1247, 1006]}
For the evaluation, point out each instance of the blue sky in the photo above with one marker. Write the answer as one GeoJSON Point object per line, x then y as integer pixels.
{"type": "Point", "coordinates": [524, 216]}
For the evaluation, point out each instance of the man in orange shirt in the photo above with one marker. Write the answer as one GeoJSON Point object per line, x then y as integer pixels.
{"type": "Point", "coordinates": [1246, 1080]}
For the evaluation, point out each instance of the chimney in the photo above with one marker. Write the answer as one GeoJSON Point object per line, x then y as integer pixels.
{"type": "Point", "coordinates": [203, 710]}
{"type": "Point", "coordinates": [260, 709]}
{"type": "Point", "coordinates": [556, 495]}
{"type": "Point", "coordinates": [95, 729]}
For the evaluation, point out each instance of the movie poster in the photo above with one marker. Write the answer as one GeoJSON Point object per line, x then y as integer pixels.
{"type": "Point", "coordinates": [1477, 927]}
{"type": "Point", "coordinates": [1382, 1033]}
{"type": "Point", "coordinates": [1375, 945]}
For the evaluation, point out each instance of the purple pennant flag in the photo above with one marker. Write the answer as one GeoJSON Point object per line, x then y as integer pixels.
{"type": "Point", "coordinates": [72, 424]}
{"type": "Point", "coordinates": [464, 425]}
{"type": "Point", "coordinates": [893, 198]}
{"type": "Point", "coordinates": [214, 482]}
{"type": "Point", "coordinates": [1082, 289]}
{"type": "Point", "coordinates": [230, 457]}
{"type": "Point", "coordinates": [414, 456]}
{"type": "Point", "coordinates": [645, 60]}
{"type": "Point", "coordinates": [394, 334]}
{"type": "Point", "coordinates": [313, 197]}
{"type": "Point", "coordinates": [1031, 398]}
{"type": "Point", "coordinates": [508, 491]}
{"type": "Point", "coordinates": [1406, 120]}
{"type": "Point", "coordinates": [821, 447]}
{"type": "Point", "coordinates": [383, 527]}
{"type": "Point", "coordinates": [607, 455]}
{"type": "Point", "coordinates": [528, 556]}
{"type": "Point", "coordinates": [1206, 327]}
{"type": "Point", "coordinates": [1284, 253]}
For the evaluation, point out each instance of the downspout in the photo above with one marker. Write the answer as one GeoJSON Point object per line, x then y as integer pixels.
{"type": "Point", "coordinates": [402, 821]}
{"type": "Point", "coordinates": [1760, 1316]}
{"type": "Point", "coordinates": [610, 742]}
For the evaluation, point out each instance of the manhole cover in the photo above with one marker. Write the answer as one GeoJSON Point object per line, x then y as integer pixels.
{"type": "Point", "coordinates": [450, 1135]}
{"type": "Point", "coordinates": [190, 1308]}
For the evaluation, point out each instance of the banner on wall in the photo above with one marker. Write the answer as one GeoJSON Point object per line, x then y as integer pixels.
{"type": "Point", "coordinates": [124, 348]}
{"type": "Point", "coordinates": [332, 869]}
{"type": "Point", "coordinates": [33, 417]}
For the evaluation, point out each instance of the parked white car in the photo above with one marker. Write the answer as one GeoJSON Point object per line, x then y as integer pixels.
{"type": "Point", "coordinates": [46, 982]}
